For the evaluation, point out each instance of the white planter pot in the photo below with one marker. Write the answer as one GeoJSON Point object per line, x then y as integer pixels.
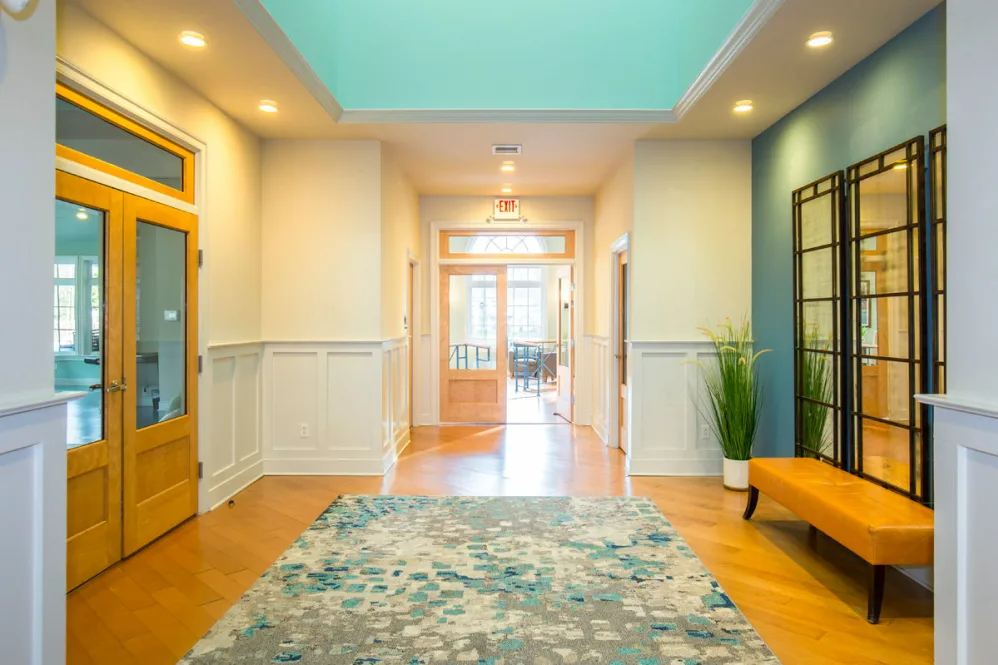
{"type": "Point", "coordinates": [736, 475]}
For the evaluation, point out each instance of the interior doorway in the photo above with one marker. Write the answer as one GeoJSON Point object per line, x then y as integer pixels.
{"type": "Point", "coordinates": [526, 325]}
{"type": "Point", "coordinates": [539, 345]}
{"type": "Point", "coordinates": [125, 330]}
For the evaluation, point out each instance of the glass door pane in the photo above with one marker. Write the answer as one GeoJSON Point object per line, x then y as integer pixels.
{"type": "Point", "coordinates": [474, 352]}
{"type": "Point", "coordinates": [78, 317]}
{"type": "Point", "coordinates": [473, 322]}
{"type": "Point", "coordinates": [161, 323]}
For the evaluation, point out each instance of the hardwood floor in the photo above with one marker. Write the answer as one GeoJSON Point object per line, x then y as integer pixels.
{"type": "Point", "coordinates": [808, 604]}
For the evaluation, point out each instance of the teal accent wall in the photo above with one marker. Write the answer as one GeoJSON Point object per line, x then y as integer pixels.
{"type": "Point", "coordinates": [514, 54]}
{"type": "Point", "coordinates": [894, 94]}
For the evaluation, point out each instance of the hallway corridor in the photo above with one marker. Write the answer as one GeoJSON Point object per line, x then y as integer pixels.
{"type": "Point", "coordinates": [808, 605]}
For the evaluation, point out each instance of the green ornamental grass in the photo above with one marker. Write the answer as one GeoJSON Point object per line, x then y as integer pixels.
{"type": "Point", "coordinates": [816, 384]}
{"type": "Point", "coordinates": [734, 396]}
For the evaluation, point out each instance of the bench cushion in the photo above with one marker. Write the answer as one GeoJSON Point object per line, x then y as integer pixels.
{"type": "Point", "coordinates": [879, 525]}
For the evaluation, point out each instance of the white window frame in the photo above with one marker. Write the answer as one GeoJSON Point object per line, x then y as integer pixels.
{"type": "Point", "coordinates": [82, 283]}
{"type": "Point", "coordinates": [538, 284]}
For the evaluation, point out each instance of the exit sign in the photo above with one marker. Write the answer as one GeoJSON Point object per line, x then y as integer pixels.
{"type": "Point", "coordinates": [507, 209]}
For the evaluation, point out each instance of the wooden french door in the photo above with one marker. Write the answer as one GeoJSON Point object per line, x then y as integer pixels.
{"type": "Point", "coordinates": [160, 348]}
{"type": "Point", "coordinates": [132, 446]}
{"type": "Point", "coordinates": [473, 347]}
{"type": "Point", "coordinates": [623, 332]}
{"type": "Point", "coordinates": [92, 218]}
{"type": "Point", "coordinates": [565, 404]}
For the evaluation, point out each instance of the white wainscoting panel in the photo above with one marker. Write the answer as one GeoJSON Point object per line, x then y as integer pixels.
{"type": "Point", "coordinates": [598, 348]}
{"type": "Point", "coordinates": [33, 524]}
{"type": "Point", "coordinates": [965, 437]}
{"type": "Point", "coordinates": [231, 450]}
{"type": "Point", "coordinates": [323, 408]}
{"type": "Point", "coordinates": [394, 400]}
{"type": "Point", "coordinates": [665, 424]}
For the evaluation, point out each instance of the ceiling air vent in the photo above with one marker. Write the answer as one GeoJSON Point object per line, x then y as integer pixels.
{"type": "Point", "coordinates": [507, 149]}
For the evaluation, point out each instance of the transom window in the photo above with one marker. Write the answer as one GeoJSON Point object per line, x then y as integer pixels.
{"type": "Point", "coordinates": [506, 245]}
{"type": "Point", "coordinates": [538, 244]}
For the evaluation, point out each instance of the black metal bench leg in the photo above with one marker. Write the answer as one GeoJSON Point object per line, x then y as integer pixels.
{"type": "Point", "coordinates": [876, 589]}
{"type": "Point", "coordinates": [753, 501]}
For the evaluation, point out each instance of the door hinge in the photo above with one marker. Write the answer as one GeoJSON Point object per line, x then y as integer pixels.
{"type": "Point", "coordinates": [200, 470]}
{"type": "Point", "coordinates": [571, 400]}
{"type": "Point", "coordinates": [200, 364]}
{"type": "Point", "coordinates": [200, 258]}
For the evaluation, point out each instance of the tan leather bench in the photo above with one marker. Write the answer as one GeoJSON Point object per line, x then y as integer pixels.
{"type": "Point", "coordinates": [881, 526]}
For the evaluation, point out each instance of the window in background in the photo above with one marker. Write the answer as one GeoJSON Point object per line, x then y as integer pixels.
{"type": "Point", "coordinates": [65, 305]}
{"type": "Point", "coordinates": [482, 322]}
{"type": "Point", "coordinates": [77, 306]}
{"type": "Point", "coordinates": [525, 303]}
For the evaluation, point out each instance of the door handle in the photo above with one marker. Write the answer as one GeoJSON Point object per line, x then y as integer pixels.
{"type": "Point", "coordinates": [95, 386]}
{"type": "Point", "coordinates": [617, 356]}
{"type": "Point", "coordinates": [116, 387]}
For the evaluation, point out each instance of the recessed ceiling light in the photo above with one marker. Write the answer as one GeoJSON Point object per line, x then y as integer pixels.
{"type": "Point", "coordinates": [819, 39]}
{"type": "Point", "coordinates": [508, 167]}
{"type": "Point", "coordinates": [743, 106]}
{"type": "Point", "coordinates": [507, 190]}
{"type": "Point", "coordinates": [194, 39]}
{"type": "Point", "coordinates": [268, 106]}
{"type": "Point", "coordinates": [82, 215]}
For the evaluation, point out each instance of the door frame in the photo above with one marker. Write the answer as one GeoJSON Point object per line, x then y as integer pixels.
{"type": "Point", "coordinates": [414, 268]}
{"type": "Point", "coordinates": [75, 78]}
{"type": "Point", "coordinates": [618, 247]}
{"type": "Point", "coordinates": [432, 390]}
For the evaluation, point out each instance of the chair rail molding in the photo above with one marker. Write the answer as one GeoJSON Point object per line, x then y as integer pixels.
{"type": "Point", "coordinates": [665, 386]}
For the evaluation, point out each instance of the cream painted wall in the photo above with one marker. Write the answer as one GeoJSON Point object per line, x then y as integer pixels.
{"type": "Point", "coordinates": [691, 257]}
{"type": "Point", "coordinates": [322, 217]}
{"type": "Point", "coordinates": [27, 132]}
{"type": "Point", "coordinates": [536, 209]}
{"type": "Point", "coordinates": [231, 204]}
{"type": "Point", "coordinates": [399, 237]}
{"type": "Point", "coordinates": [614, 218]}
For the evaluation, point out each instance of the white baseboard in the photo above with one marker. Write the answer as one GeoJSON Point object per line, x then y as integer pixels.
{"type": "Point", "coordinates": [322, 466]}
{"type": "Point", "coordinates": [234, 484]}
{"type": "Point", "coordinates": [674, 467]}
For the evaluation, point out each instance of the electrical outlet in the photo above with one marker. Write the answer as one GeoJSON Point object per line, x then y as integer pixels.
{"type": "Point", "coordinates": [304, 430]}
{"type": "Point", "coordinates": [705, 431]}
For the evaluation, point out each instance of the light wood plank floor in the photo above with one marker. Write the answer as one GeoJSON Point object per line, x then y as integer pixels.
{"type": "Point", "coordinates": [808, 604]}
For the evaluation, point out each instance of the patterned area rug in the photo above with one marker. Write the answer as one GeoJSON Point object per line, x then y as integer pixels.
{"type": "Point", "coordinates": [487, 581]}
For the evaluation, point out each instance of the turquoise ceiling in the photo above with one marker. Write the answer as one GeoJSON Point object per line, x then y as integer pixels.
{"type": "Point", "coordinates": [507, 54]}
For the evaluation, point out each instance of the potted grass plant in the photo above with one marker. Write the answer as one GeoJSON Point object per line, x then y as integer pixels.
{"type": "Point", "coordinates": [816, 385]}
{"type": "Point", "coordinates": [733, 398]}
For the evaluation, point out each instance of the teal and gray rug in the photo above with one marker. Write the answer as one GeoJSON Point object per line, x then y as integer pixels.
{"type": "Point", "coordinates": [486, 581]}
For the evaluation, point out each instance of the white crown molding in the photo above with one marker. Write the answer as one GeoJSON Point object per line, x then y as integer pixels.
{"type": "Point", "coordinates": [755, 18]}
{"type": "Point", "coordinates": [265, 24]}
{"type": "Point", "coordinates": [498, 116]}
